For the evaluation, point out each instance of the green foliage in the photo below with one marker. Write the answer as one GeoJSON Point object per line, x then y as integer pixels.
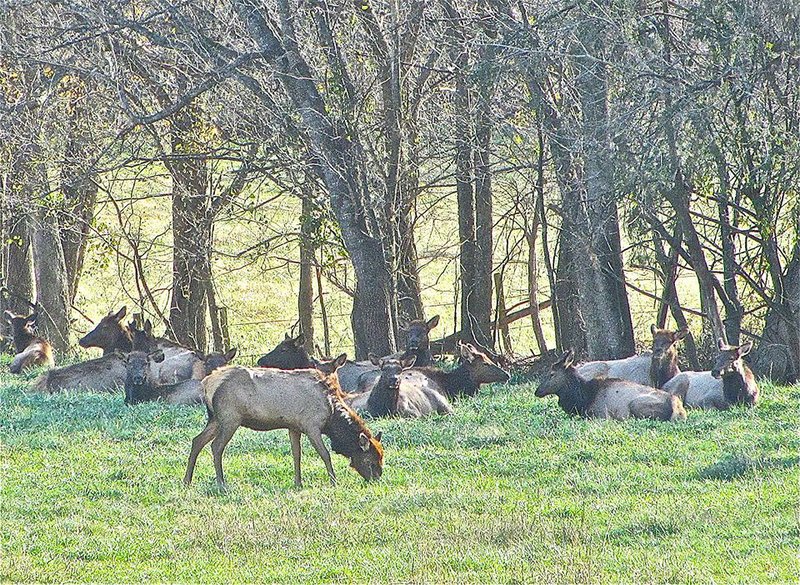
{"type": "Point", "coordinates": [509, 489]}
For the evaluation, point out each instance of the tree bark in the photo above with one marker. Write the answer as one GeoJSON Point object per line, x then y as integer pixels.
{"type": "Point", "coordinates": [305, 292]}
{"type": "Point", "coordinates": [191, 232]}
{"type": "Point", "coordinates": [341, 164]}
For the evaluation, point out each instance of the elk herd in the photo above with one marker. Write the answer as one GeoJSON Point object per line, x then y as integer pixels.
{"type": "Point", "coordinates": [290, 389]}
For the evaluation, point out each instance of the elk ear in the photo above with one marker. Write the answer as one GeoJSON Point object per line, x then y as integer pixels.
{"type": "Point", "coordinates": [120, 315]}
{"type": "Point", "coordinates": [148, 327]}
{"type": "Point", "coordinates": [300, 340]}
{"type": "Point", "coordinates": [653, 330]}
{"type": "Point", "coordinates": [286, 337]}
{"type": "Point", "coordinates": [31, 319]}
{"type": "Point", "coordinates": [9, 316]}
{"type": "Point", "coordinates": [465, 350]}
{"type": "Point", "coordinates": [720, 344]}
{"type": "Point", "coordinates": [339, 361]}
{"type": "Point", "coordinates": [157, 356]}
{"type": "Point", "coordinates": [379, 436]}
{"type": "Point", "coordinates": [565, 360]}
{"type": "Point", "coordinates": [230, 354]}
{"type": "Point", "coordinates": [680, 334]}
{"type": "Point", "coordinates": [363, 442]}
{"type": "Point", "coordinates": [745, 348]}
{"type": "Point", "coordinates": [433, 322]}
{"type": "Point", "coordinates": [408, 361]}
{"type": "Point", "coordinates": [376, 361]}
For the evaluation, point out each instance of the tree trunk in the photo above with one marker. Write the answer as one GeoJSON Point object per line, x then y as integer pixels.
{"type": "Point", "coordinates": [17, 262]}
{"type": "Point", "coordinates": [777, 354]}
{"type": "Point", "coordinates": [596, 245]}
{"type": "Point", "coordinates": [481, 306]}
{"type": "Point", "coordinates": [341, 164]}
{"type": "Point", "coordinates": [191, 232]}
{"type": "Point", "coordinates": [80, 195]}
{"type": "Point", "coordinates": [52, 285]}
{"type": "Point", "coordinates": [305, 293]}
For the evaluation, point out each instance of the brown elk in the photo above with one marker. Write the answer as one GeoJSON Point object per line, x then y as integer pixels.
{"type": "Point", "coordinates": [307, 401]}
{"type": "Point", "coordinates": [31, 350]}
{"type": "Point", "coordinates": [289, 354]}
{"type": "Point", "coordinates": [730, 382]}
{"type": "Point", "coordinates": [607, 397]}
{"type": "Point", "coordinates": [652, 368]}
{"type": "Point", "coordinates": [104, 374]}
{"type": "Point", "coordinates": [391, 396]}
{"type": "Point", "coordinates": [110, 334]}
{"type": "Point", "coordinates": [418, 342]}
{"type": "Point", "coordinates": [142, 383]}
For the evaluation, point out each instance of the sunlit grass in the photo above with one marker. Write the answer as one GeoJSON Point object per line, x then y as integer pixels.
{"type": "Point", "coordinates": [509, 489]}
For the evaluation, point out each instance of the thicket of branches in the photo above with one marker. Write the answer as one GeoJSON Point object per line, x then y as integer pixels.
{"type": "Point", "coordinates": [565, 130]}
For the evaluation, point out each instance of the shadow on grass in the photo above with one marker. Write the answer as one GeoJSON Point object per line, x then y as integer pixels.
{"type": "Point", "coordinates": [732, 467]}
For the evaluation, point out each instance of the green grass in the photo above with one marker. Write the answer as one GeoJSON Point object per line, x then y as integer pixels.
{"type": "Point", "coordinates": [510, 489]}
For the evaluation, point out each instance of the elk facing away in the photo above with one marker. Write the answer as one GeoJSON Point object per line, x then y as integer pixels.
{"type": "Point", "coordinates": [31, 350]}
{"type": "Point", "coordinates": [607, 397]}
{"type": "Point", "coordinates": [307, 402]}
{"type": "Point", "coordinates": [730, 382]}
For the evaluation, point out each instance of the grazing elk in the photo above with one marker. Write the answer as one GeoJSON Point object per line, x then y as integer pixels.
{"type": "Point", "coordinates": [607, 397]}
{"type": "Point", "coordinates": [142, 383]}
{"type": "Point", "coordinates": [289, 354]}
{"type": "Point", "coordinates": [305, 401]}
{"type": "Point", "coordinates": [110, 334]}
{"type": "Point", "coordinates": [30, 349]}
{"type": "Point", "coordinates": [652, 368]}
{"type": "Point", "coordinates": [390, 396]}
{"type": "Point", "coordinates": [730, 382]}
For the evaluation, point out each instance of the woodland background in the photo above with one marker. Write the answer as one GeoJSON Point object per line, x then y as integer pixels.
{"type": "Point", "coordinates": [542, 174]}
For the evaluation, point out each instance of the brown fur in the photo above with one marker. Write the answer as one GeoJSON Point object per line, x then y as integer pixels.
{"type": "Point", "coordinates": [664, 361]}
{"type": "Point", "coordinates": [303, 401]}
{"type": "Point", "coordinates": [31, 350]}
{"type": "Point", "coordinates": [607, 397]}
{"type": "Point", "coordinates": [110, 334]}
{"type": "Point", "coordinates": [104, 374]}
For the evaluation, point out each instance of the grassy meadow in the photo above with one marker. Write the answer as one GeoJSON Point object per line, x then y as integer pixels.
{"type": "Point", "coordinates": [510, 489]}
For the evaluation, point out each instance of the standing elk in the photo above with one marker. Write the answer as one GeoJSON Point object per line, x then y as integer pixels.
{"type": "Point", "coordinates": [307, 401]}
{"type": "Point", "coordinates": [30, 349]}
{"type": "Point", "coordinates": [607, 398]}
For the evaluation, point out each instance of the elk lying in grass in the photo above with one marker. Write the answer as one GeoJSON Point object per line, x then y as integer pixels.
{"type": "Point", "coordinates": [418, 342]}
{"type": "Point", "coordinates": [305, 401]}
{"type": "Point", "coordinates": [653, 368]}
{"type": "Point", "coordinates": [730, 382]}
{"type": "Point", "coordinates": [110, 334]}
{"type": "Point", "coordinates": [289, 354]}
{"type": "Point", "coordinates": [30, 349]}
{"type": "Point", "coordinates": [104, 374]}
{"type": "Point", "coordinates": [390, 396]}
{"type": "Point", "coordinates": [607, 397]}
{"type": "Point", "coordinates": [142, 383]}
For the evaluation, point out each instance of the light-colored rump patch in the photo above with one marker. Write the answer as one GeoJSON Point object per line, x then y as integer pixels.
{"type": "Point", "coordinates": [635, 369]}
{"type": "Point", "coordinates": [698, 390]}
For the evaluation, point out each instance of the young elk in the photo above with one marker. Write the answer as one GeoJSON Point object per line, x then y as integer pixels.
{"type": "Point", "coordinates": [391, 397]}
{"type": "Point", "coordinates": [306, 401]}
{"type": "Point", "coordinates": [142, 383]}
{"type": "Point", "coordinates": [30, 349]}
{"type": "Point", "coordinates": [730, 382]}
{"type": "Point", "coordinates": [607, 397]}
